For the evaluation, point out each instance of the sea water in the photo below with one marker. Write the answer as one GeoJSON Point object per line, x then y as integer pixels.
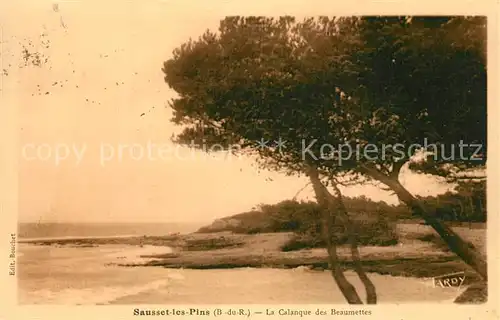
{"type": "Point", "coordinates": [62, 230]}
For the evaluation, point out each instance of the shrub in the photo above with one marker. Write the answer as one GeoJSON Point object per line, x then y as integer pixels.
{"type": "Point", "coordinates": [299, 242]}
{"type": "Point", "coordinates": [372, 226]}
{"type": "Point", "coordinates": [370, 229]}
{"type": "Point", "coordinates": [373, 229]}
{"type": "Point", "coordinates": [210, 244]}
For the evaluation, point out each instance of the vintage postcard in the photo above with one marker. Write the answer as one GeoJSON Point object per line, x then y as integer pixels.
{"type": "Point", "coordinates": [265, 159]}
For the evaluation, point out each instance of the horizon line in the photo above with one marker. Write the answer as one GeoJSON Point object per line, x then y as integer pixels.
{"type": "Point", "coordinates": [115, 222]}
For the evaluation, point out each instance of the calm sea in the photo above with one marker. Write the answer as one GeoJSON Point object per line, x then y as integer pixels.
{"type": "Point", "coordinates": [49, 230]}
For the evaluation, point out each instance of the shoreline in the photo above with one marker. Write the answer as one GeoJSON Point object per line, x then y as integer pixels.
{"type": "Point", "coordinates": [72, 238]}
{"type": "Point", "coordinates": [405, 262]}
{"type": "Point", "coordinates": [225, 250]}
{"type": "Point", "coordinates": [419, 253]}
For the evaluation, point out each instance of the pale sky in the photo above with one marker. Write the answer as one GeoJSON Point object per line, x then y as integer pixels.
{"type": "Point", "coordinates": [111, 53]}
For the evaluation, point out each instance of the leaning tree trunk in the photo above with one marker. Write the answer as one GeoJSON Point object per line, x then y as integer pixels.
{"type": "Point", "coordinates": [347, 289]}
{"type": "Point", "coordinates": [475, 293]}
{"type": "Point", "coordinates": [371, 292]}
{"type": "Point", "coordinates": [456, 244]}
{"type": "Point", "coordinates": [453, 240]}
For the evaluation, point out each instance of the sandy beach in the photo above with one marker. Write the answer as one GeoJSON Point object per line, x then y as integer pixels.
{"type": "Point", "coordinates": [226, 268]}
{"type": "Point", "coordinates": [91, 275]}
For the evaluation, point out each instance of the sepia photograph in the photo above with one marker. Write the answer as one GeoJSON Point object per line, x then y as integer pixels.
{"type": "Point", "coordinates": [168, 155]}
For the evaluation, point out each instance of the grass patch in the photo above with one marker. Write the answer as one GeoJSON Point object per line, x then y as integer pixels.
{"type": "Point", "coordinates": [299, 242]}
{"type": "Point", "coordinates": [369, 232]}
{"type": "Point", "coordinates": [438, 242]}
{"type": "Point", "coordinates": [305, 242]}
{"type": "Point", "coordinates": [211, 244]}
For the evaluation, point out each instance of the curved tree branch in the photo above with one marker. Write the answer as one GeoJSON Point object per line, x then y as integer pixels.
{"type": "Point", "coordinates": [301, 189]}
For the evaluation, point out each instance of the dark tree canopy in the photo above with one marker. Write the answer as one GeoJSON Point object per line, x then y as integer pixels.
{"type": "Point", "coordinates": [348, 80]}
